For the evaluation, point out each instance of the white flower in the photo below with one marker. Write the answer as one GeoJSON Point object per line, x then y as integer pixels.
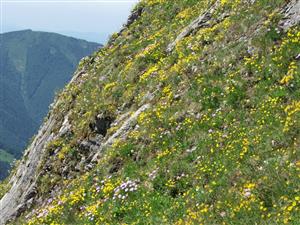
{"type": "Point", "coordinates": [247, 193]}
{"type": "Point", "coordinates": [223, 214]}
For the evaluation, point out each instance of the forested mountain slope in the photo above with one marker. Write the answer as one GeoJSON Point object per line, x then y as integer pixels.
{"type": "Point", "coordinates": [189, 115]}
{"type": "Point", "coordinates": [33, 66]}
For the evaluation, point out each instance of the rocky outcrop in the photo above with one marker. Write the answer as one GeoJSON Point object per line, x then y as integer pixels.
{"type": "Point", "coordinates": [201, 22]}
{"type": "Point", "coordinates": [23, 182]}
{"type": "Point", "coordinates": [134, 16]}
{"type": "Point", "coordinates": [291, 15]}
{"type": "Point", "coordinates": [127, 125]}
{"type": "Point", "coordinates": [101, 124]}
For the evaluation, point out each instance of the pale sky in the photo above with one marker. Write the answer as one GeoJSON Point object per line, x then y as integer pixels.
{"type": "Point", "coordinates": [93, 20]}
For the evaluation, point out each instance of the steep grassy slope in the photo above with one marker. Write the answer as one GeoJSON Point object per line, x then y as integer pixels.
{"type": "Point", "coordinates": [202, 131]}
{"type": "Point", "coordinates": [34, 65]}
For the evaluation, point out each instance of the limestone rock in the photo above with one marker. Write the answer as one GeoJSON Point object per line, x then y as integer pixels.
{"type": "Point", "coordinates": [291, 15]}
{"type": "Point", "coordinates": [201, 22]}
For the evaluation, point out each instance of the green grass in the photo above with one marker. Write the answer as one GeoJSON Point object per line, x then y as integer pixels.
{"type": "Point", "coordinates": [220, 143]}
{"type": "Point", "coordinates": [6, 157]}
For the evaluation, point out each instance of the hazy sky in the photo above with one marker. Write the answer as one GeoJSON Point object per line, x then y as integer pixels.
{"type": "Point", "coordinates": [88, 19]}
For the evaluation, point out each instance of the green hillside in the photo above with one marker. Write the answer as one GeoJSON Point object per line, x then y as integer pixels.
{"type": "Point", "coordinates": [189, 115]}
{"type": "Point", "coordinates": [6, 159]}
{"type": "Point", "coordinates": [34, 65]}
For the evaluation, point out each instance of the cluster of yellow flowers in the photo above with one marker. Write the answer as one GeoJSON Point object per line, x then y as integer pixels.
{"type": "Point", "coordinates": [77, 196]}
{"type": "Point", "coordinates": [291, 110]}
{"type": "Point", "coordinates": [109, 86]}
{"type": "Point", "coordinates": [219, 117]}
{"type": "Point", "coordinates": [290, 74]}
{"type": "Point", "coordinates": [149, 72]}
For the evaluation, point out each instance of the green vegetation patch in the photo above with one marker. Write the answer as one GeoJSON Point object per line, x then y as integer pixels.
{"type": "Point", "coordinates": [5, 156]}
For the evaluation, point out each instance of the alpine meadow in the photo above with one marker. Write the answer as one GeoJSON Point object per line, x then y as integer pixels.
{"type": "Point", "coordinates": [190, 114]}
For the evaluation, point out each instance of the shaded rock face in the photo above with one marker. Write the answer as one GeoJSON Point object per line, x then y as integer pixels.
{"type": "Point", "coordinates": [101, 125]}
{"type": "Point", "coordinates": [134, 16]}
{"type": "Point", "coordinates": [126, 125]}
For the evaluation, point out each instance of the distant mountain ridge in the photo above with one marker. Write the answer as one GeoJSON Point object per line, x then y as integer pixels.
{"type": "Point", "coordinates": [33, 66]}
